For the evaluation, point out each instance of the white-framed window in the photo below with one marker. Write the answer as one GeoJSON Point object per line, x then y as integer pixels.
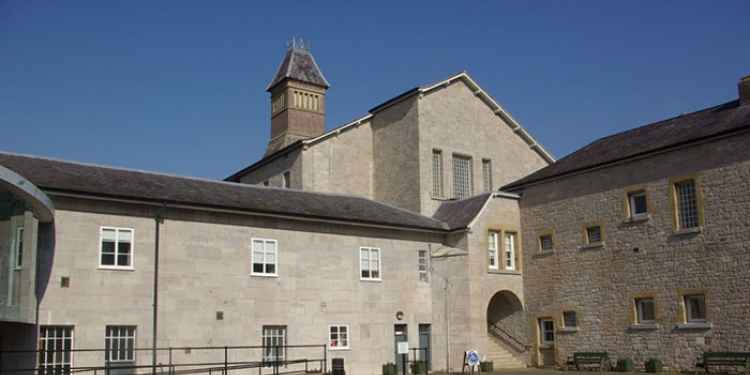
{"type": "Point", "coordinates": [264, 256]}
{"type": "Point", "coordinates": [116, 247]}
{"type": "Point", "coordinates": [437, 173]}
{"type": "Point", "coordinates": [55, 345]}
{"type": "Point", "coordinates": [119, 344]}
{"type": "Point", "coordinates": [695, 308]}
{"type": "Point", "coordinates": [637, 203]}
{"type": "Point", "coordinates": [286, 180]}
{"type": "Point", "coordinates": [462, 177]}
{"type": "Point", "coordinates": [274, 343]}
{"type": "Point", "coordinates": [338, 337]}
{"type": "Point", "coordinates": [423, 265]}
{"type": "Point", "coordinates": [594, 234]}
{"type": "Point", "coordinates": [18, 253]}
{"type": "Point", "coordinates": [546, 244]}
{"type": "Point", "coordinates": [570, 319]}
{"type": "Point", "coordinates": [369, 263]}
{"type": "Point", "coordinates": [687, 204]}
{"type": "Point", "coordinates": [645, 310]}
{"type": "Point", "coordinates": [492, 252]}
{"type": "Point", "coordinates": [510, 251]}
{"type": "Point", "coordinates": [487, 174]}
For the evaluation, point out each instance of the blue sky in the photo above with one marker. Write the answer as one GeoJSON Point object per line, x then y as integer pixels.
{"type": "Point", "coordinates": [178, 86]}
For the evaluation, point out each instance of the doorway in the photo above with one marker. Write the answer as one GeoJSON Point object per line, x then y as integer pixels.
{"type": "Point", "coordinates": [425, 331]}
{"type": "Point", "coordinates": [400, 334]}
{"type": "Point", "coordinates": [546, 342]}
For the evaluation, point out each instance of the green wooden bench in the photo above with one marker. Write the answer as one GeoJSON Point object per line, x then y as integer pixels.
{"type": "Point", "coordinates": [598, 360]}
{"type": "Point", "coordinates": [724, 359]}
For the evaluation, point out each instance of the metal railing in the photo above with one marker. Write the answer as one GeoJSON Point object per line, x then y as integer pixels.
{"type": "Point", "coordinates": [499, 332]}
{"type": "Point", "coordinates": [218, 360]}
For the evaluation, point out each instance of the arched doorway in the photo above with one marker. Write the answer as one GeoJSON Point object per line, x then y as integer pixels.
{"type": "Point", "coordinates": [507, 330]}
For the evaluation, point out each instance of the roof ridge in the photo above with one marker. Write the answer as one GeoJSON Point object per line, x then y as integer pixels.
{"type": "Point", "coordinates": [201, 179]}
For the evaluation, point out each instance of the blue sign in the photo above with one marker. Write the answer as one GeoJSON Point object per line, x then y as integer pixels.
{"type": "Point", "coordinates": [472, 358]}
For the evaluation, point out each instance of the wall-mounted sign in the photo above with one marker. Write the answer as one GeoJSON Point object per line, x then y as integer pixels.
{"type": "Point", "coordinates": [403, 347]}
{"type": "Point", "coordinates": [471, 358]}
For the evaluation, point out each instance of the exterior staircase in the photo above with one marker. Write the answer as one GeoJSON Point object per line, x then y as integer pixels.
{"type": "Point", "coordinates": [504, 350]}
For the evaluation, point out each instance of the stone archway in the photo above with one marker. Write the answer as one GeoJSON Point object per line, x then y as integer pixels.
{"type": "Point", "coordinates": [507, 328]}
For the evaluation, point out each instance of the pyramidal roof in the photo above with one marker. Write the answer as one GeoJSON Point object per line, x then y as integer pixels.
{"type": "Point", "coordinates": [299, 64]}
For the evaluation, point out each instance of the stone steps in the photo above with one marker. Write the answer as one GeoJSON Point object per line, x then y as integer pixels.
{"type": "Point", "coordinates": [501, 357]}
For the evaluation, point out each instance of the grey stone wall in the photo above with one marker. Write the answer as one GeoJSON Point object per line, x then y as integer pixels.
{"type": "Point", "coordinates": [205, 268]}
{"type": "Point", "coordinates": [454, 120]}
{"type": "Point", "coordinates": [396, 155]}
{"type": "Point", "coordinates": [643, 258]}
{"type": "Point", "coordinates": [273, 170]}
{"type": "Point", "coordinates": [342, 163]}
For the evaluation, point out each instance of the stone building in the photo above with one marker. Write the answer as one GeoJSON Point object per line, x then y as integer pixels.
{"type": "Point", "coordinates": [637, 244]}
{"type": "Point", "coordinates": [390, 228]}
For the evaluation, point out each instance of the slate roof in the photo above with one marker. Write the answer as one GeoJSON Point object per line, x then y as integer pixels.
{"type": "Point", "coordinates": [299, 64]}
{"type": "Point", "coordinates": [710, 122]}
{"type": "Point", "coordinates": [53, 175]}
{"type": "Point", "coordinates": [458, 214]}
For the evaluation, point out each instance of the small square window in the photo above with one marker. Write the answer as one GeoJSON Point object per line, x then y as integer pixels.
{"type": "Point", "coordinates": [338, 337]}
{"type": "Point", "coordinates": [545, 243]}
{"type": "Point", "coordinates": [646, 310]}
{"type": "Point", "coordinates": [116, 248]}
{"type": "Point", "coordinates": [695, 308]}
{"type": "Point", "coordinates": [637, 203]}
{"type": "Point", "coordinates": [570, 319]}
{"type": "Point", "coordinates": [594, 234]}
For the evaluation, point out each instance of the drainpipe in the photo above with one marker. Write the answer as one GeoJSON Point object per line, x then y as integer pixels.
{"type": "Point", "coordinates": [158, 219]}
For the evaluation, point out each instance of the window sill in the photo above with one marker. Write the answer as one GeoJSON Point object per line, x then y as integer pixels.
{"type": "Point", "coordinates": [268, 275]}
{"type": "Point", "coordinates": [371, 280]}
{"type": "Point", "coordinates": [693, 326]}
{"type": "Point", "coordinates": [643, 327]}
{"type": "Point", "coordinates": [568, 330]}
{"type": "Point", "coordinates": [687, 231]}
{"type": "Point", "coordinates": [440, 198]}
{"type": "Point", "coordinates": [637, 219]}
{"type": "Point", "coordinates": [110, 268]}
{"type": "Point", "coordinates": [504, 272]}
{"type": "Point", "coordinates": [17, 268]}
{"type": "Point", "coordinates": [543, 255]}
{"type": "Point", "coordinates": [592, 246]}
{"type": "Point", "coordinates": [339, 349]}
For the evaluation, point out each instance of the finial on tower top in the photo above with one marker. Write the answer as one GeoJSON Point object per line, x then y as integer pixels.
{"type": "Point", "coordinates": [298, 43]}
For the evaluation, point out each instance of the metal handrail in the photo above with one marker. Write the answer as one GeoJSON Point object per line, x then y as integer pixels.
{"type": "Point", "coordinates": [496, 331]}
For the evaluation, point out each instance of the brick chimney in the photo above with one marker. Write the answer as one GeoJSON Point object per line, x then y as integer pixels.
{"type": "Point", "coordinates": [744, 88]}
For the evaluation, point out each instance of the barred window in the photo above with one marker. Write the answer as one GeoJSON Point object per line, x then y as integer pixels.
{"type": "Point", "coordinates": [55, 344]}
{"type": "Point", "coordinates": [570, 319]}
{"type": "Point", "coordinates": [545, 243]}
{"type": "Point", "coordinates": [695, 308]}
{"type": "Point", "coordinates": [487, 174]}
{"type": "Point", "coordinates": [646, 310]}
{"type": "Point", "coordinates": [594, 234]}
{"type": "Point", "coordinates": [119, 344]}
{"type": "Point", "coordinates": [423, 265]}
{"type": "Point", "coordinates": [687, 204]}
{"type": "Point", "coordinates": [274, 343]}
{"type": "Point", "coordinates": [437, 173]}
{"type": "Point", "coordinates": [462, 178]}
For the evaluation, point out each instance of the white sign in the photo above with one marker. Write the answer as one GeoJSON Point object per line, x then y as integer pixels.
{"type": "Point", "coordinates": [403, 347]}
